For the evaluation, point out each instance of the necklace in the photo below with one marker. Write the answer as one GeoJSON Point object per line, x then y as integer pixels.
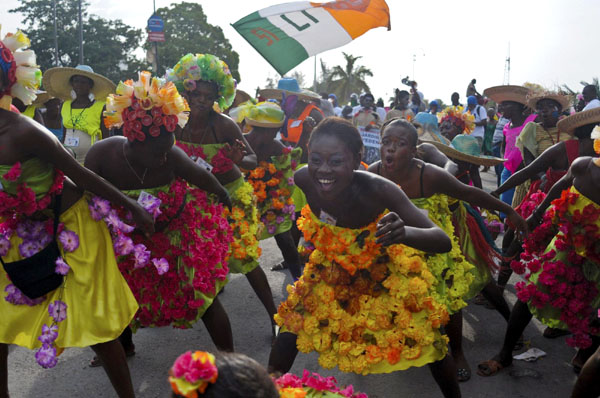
{"type": "Point", "coordinates": [131, 168]}
{"type": "Point", "coordinates": [78, 118]}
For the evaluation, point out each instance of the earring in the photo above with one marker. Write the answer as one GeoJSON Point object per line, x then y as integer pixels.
{"type": "Point", "coordinates": [73, 94]}
{"type": "Point", "coordinates": [91, 97]}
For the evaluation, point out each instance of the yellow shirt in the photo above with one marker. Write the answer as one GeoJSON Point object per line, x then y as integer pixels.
{"type": "Point", "coordinates": [86, 119]}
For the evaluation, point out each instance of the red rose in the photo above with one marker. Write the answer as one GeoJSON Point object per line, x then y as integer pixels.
{"type": "Point", "coordinates": [154, 131]}
{"type": "Point", "coordinates": [146, 120]}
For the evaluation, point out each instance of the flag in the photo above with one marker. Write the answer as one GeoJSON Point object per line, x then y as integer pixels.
{"type": "Point", "coordinates": [287, 34]}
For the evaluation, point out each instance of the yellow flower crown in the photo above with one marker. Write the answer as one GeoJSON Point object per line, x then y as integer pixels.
{"type": "Point", "coordinates": [192, 373]}
{"type": "Point", "coordinates": [20, 70]}
{"type": "Point", "coordinates": [263, 114]}
{"type": "Point", "coordinates": [465, 121]}
{"type": "Point", "coordinates": [148, 102]}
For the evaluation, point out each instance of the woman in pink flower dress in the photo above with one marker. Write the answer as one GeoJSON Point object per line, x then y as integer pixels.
{"type": "Point", "coordinates": [176, 273]}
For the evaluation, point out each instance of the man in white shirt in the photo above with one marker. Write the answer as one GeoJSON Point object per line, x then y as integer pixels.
{"type": "Point", "coordinates": [480, 115]}
{"type": "Point", "coordinates": [590, 96]}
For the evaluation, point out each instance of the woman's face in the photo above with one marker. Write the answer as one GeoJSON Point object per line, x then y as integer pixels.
{"type": "Point", "coordinates": [549, 111]}
{"type": "Point", "coordinates": [81, 85]}
{"type": "Point", "coordinates": [331, 166]}
{"type": "Point", "coordinates": [449, 129]}
{"type": "Point", "coordinates": [152, 153]}
{"type": "Point", "coordinates": [397, 150]}
{"type": "Point", "coordinates": [202, 98]}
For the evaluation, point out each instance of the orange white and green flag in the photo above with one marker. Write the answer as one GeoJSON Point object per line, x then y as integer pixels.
{"type": "Point", "coordinates": [287, 34]}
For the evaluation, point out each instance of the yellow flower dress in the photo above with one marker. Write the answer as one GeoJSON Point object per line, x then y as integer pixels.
{"type": "Point", "coordinates": [99, 302]}
{"type": "Point", "coordinates": [363, 307]}
{"type": "Point", "coordinates": [453, 273]}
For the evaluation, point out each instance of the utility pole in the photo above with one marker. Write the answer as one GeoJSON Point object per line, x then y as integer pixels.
{"type": "Point", "coordinates": [80, 36]}
{"type": "Point", "coordinates": [506, 80]}
{"type": "Point", "coordinates": [56, 62]}
{"type": "Point", "coordinates": [156, 44]}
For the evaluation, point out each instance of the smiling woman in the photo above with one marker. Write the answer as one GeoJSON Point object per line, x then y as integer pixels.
{"type": "Point", "coordinates": [365, 242]}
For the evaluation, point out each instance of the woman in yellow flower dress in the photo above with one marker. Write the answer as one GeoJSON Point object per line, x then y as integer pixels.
{"type": "Point", "coordinates": [215, 142]}
{"type": "Point", "coordinates": [429, 188]}
{"type": "Point", "coordinates": [365, 300]}
{"type": "Point", "coordinates": [272, 179]}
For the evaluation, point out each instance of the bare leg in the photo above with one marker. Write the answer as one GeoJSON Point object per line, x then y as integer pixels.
{"type": "Point", "coordinates": [217, 323]}
{"type": "Point", "coordinates": [518, 321]}
{"type": "Point", "coordinates": [454, 331]}
{"type": "Point", "coordinates": [444, 373]}
{"type": "Point", "coordinates": [113, 360]}
{"type": "Point", "coordinates": [290, 252]}
{"type": "Point", "coordinates": [3, 370]}
{"type": "Point", "coordinates": [296, 233]}
{"type": "Point", "coordinates": [283, 353]}
{"type": "Point", "coordinates": [587, 385]}
{"type": "Point", "coordinates": [260, 284]}
{"type": "Point", "coordinates": [493, 294]}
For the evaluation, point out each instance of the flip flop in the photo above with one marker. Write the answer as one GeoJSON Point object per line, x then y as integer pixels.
{"type": "Point", "coordinates": [553, 333]}
{"type": "Point", "coordinates": [279, 267]}
{"type": "Point", "coordinates": [463, 374]}
{"type": "Point", "coordinates": [489, 368]}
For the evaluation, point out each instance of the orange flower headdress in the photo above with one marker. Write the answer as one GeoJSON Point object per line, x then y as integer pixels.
{"type": "Point", "coordinates": [465, 121]}
{"type": "Point", "coordinates": [596, 138]}
{"type": "Point", "coordinates": [22, 75]}
{"type": "Point", "coordinates": [192, 373]}
{"type": "Point", "coordinates": [148, 102]}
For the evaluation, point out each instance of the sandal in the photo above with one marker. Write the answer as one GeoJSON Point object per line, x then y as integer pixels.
{"type": "Point", "coordinates": [96, 362]}
{"type": "Point", "coordinates": [489, 368]}
{"type": "Point", "coordinates": [463, 374]}
{"type": "Point", "coordinates": [279, 267]}
{"type": "Point", "coordinates": [553, 333]}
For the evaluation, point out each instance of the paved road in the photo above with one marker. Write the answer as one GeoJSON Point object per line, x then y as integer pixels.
{"type": "Point", "coordinates": [158, 348]}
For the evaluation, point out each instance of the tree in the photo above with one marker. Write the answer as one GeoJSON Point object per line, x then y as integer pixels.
{"type": "Point", "coordinates": [187, 31]}
{"type": "Point", "coordinates": [108, 46]}
{"type": "Point", "coordinates": [349, 79]}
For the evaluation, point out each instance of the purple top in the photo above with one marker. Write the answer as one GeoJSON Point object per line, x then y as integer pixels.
{"type": "Point", "coordinates": [512, 154]}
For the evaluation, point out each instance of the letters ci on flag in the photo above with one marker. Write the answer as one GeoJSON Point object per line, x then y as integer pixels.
{"type": "Point", "coordinates": [287, 34]}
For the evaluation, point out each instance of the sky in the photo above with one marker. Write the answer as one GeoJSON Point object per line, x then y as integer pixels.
{"type": "Point", "coordinates": [448, 43]}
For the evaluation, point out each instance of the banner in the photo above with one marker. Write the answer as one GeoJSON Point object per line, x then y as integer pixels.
{"type": "Point", "coordinates": [371, 142]}
{"type": "Point", "coordinates": [287, 34]}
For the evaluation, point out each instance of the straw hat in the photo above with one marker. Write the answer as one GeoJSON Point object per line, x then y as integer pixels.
{"type": "Point", "coordinates": [570, 123]}
{"type": "Point", "coordinates": [427, 128]}
{"type": "Point", "coordinates": [563, 100]}
{"type": "Point", "coordinates": [289, 86]}
{"type": "Point", "coordinates": [56, 82]}
{"type": "Point", "coordinates": [500, 94]}
{"type": "Point", "coordinates": [466, 148]}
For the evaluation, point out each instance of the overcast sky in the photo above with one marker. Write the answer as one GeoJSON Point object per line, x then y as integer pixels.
{"type": "Point", "coordinates": [552, 42]}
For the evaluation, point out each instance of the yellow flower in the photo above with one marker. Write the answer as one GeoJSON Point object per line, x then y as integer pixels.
{"type": "Point", "coordinates": [292, 392]}
{"type": "Point", "coordinates": [304, 343]}
{"type": "Point", "coordinates": [311, 324]}
{"type": "Point", "coordinates": [328, 360]}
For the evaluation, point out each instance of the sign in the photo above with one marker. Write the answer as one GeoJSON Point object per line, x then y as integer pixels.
{"type": "Point", "coordinates": [156, 24]}
{"type": "Point", "coordinates": [156, 36]}
{"type": "Point", "coordinates": [371, 141]}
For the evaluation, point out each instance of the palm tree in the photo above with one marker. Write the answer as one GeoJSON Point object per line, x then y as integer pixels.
{"type": "Point", "coordinates": [348, 80]}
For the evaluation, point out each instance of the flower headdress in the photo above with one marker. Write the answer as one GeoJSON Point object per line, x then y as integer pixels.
{"type": "Point", "coordinates": [22, 75]}
{"type": "Point", "coordinates": [596, 137]}
{"type": "Point", "coordinates": [205, 67]}
{"type": "Point", "coordinates": [465, 121]}
{"type": "Point", "coordinates": [148, 102]}
{"type": "Point", "coordinates": [263, 114]}
{"type": "Point", "coordinates": [192, 373]}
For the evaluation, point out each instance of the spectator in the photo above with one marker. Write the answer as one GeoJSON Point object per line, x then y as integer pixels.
{"type": "Point", "coordinates": [433, 107]}
{"type": "Point", "coordinates": [400, 107]}
{"type": "Point", "coordinates": [480, 115]}
{"type": "Point", "coordinates": [337, 110]}
{"type": "Point", "coordinates": [590, 96]}
{"type": "Point", "coordinates": [471, 90]}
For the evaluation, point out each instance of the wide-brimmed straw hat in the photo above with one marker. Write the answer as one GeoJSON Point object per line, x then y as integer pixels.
{"type": "Point", "coordinates": [56, 82]}
{"type": "Point", "coordinates": [563, 100]}
{"type": "Point", "coordinates": [289, 86]}
{"type": "Point", "coordinates": [427, 128]}
{"type": "Point", "coordinates": [570, 123]}
{"type": "Point", "coordinates": [466, 148]}
{"type": "Point", "coordinates": [499, 94]}
{"type": "Point", "coordinates": [263, 114]}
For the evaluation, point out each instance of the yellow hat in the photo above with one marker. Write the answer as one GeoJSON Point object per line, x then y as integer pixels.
{"type": "Point", "coordinates": [263, 114]}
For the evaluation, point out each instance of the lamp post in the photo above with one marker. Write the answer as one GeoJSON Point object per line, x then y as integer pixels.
{"type": "Point", "coordinates": [55, 35]}
{"type": "Point", "coordinates": [80, 36]}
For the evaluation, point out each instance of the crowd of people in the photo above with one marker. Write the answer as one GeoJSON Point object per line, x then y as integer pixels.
{"type": "Point", "coordinates": [127, 206]}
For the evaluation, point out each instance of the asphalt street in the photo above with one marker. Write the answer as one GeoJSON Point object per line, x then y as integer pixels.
{"type": "Point", "coordinates": [551, 376]}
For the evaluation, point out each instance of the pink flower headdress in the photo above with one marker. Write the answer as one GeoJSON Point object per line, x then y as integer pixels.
{"type": "Point", "coordinates": [148, 103]}
{"type": "Point", "coordinates": [192, 373]}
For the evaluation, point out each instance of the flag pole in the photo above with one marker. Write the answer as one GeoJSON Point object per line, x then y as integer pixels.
{"type": "Point", "coordinates": [315, 75]}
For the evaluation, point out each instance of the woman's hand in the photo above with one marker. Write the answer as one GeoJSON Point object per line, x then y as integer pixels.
{"type": "Point", "coordinates": [143, 220]}
{"type": "Point", "coordinates": [236, 152]}
{"type": "Point", "coordinates": [390, 230]}
{"type": "Point", "coordinates": [519, 223]}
